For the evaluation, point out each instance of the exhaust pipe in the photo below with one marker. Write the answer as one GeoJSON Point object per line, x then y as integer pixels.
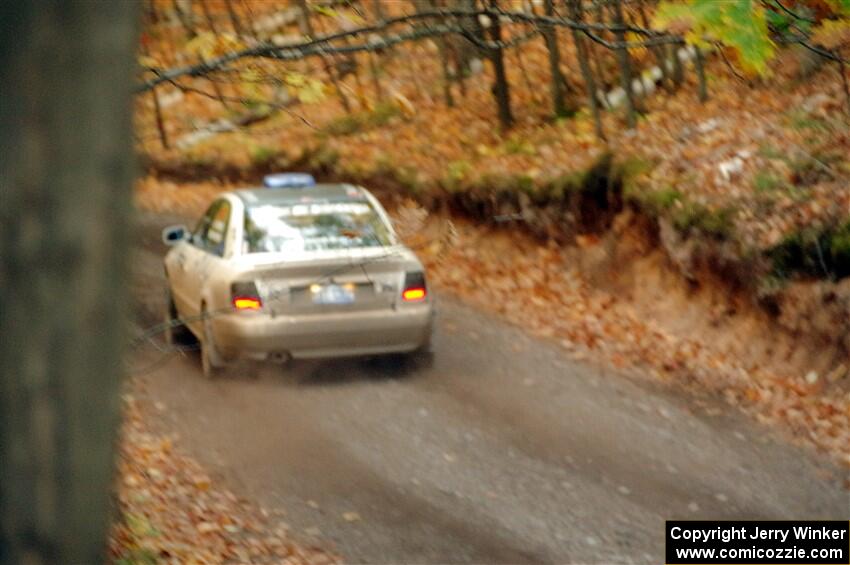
{"type": "Point", "coordinates": [279, 357]}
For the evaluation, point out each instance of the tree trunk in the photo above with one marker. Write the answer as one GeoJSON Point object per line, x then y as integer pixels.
{"type": "Point", "coordinates": [594, 49]}
{"type": "Point", "coordinates": [625, 65]}
{"type": "Point", "coordinates": [66, 171]}
{"type": "Point", "coordinates": [234, 18]}
{"type": "Point", "coordinates": [700, 68]}
{"type": "Point", "coordinates": [658, 50]}
{"type": "Point", "coordinates": [376, 77]}
{"type": "Point", "coordinates": [678, 69]}
{"type": "Point", "coordinates": [350, 62]}
{"type": "Point", "coordinates": [501, 89]}
{"type": "Point", "coordinates": [215, 86]}
{"type": "Point", "coordinates": [586, 73]}
{"type": "Point", "coordinates": [557, 81]}
{"type": "Point", "coordinates": [444, 67]}
{"type": "Point", "coordinates": [306, 25]}
{"type": "Point", "coordinates": [421, 6]}
{"type": "Point", "coordinates": [185, 18]}
{"type": "Point", "coordinates": [386, 55]}
{"type": "Point", "coordinates": [379, 10]}
{"type": "Point", "coordinates": [447, 77]}
{"type": "Point", "coordinates": [208, 16]}
{"type": "Point", "coordinates": [464, 52]}
{"type": "Point", "coordinates": [250, 19]}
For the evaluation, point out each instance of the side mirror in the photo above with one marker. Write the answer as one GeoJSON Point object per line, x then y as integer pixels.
{"type": "Point", "coordinates": [173, 235]}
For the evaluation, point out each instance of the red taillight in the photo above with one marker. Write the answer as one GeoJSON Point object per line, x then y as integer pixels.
{"type": "Point", "coordinates": [247, 303]}
{"type": "Point", "coordinates": [245, 296]}
{"type": "Point", "coordinates": [415, 289]}
{"type": "Point", "coordinates": [414, 294]}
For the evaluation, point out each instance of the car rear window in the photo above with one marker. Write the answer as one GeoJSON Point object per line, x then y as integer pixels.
{"type": "Point", "coordinates": [319, 226]}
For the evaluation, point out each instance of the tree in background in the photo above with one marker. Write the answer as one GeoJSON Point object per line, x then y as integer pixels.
{"type": "Point", "coordinates": [633, 45]}
{"type": "Point", "coordinates": [751, 30]}
{"type": "Point", "coordinates": [557, 82]}
{"type": "Point", "coordinates": [66, 76]}
{"type": "Point", "coordinates": [501, 90]}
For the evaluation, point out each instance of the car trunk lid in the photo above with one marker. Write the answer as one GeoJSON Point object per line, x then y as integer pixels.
{"type": "Point", "coordinates": [346, 284]}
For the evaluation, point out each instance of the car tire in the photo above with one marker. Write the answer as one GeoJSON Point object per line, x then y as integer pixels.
{"type": "Point", "coordinates": [212, 365]}
{"type": "Point", "coordinates": [174, 334]}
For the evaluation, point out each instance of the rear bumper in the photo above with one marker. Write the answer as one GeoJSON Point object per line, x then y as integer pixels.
{"type": "Point", "coordinates": [257, 335]}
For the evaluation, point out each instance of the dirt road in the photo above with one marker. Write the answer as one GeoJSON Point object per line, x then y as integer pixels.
{"type": "Point", "coordinates": [504, 451]}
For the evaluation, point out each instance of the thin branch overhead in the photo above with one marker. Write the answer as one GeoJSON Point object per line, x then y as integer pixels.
{"type": "Point", "coordinates": [431, 23]}
{"type": "Point", "coordinates": [271, 105]}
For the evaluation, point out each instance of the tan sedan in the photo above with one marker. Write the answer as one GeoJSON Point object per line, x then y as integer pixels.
{"type": "Point", "coordinates": [295, 270]}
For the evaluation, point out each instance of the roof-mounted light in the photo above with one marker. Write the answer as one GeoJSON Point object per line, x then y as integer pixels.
{"type": "Point", "coordinates": [289, 180]}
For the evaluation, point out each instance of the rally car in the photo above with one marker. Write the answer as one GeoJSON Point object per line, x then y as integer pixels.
{"type": "Point", "coordinates": [295, 269]}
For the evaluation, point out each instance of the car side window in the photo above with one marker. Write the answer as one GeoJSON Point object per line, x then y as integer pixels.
{"type": "Point", "coordinates": [217, 230]}
{"type": "Point", "coordinates": [210, 232]}
{"type": "Point", "coordinates": [200, 230]}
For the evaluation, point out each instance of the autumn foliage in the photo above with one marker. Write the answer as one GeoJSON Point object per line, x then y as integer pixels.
{"type": "Point", "coordinates": [741, 198]}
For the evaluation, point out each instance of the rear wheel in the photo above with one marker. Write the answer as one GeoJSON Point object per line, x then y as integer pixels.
{"type": "Point", "coordinates": [175, 333]}
{"type": "Point", "coordinates": [212, 365]}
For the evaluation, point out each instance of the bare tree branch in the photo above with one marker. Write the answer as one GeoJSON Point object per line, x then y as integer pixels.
{"type": "Point", "coordinates": [321, 46]}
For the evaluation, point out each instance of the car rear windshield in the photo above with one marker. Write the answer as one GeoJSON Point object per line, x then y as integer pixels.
{"type": "Point", "coordinates": [308, 227]}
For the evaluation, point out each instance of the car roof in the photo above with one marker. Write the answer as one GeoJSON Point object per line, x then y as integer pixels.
{"type": "Point", "coordinates": [261, 196]}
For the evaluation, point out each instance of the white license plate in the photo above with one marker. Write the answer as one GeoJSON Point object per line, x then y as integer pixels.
{"type": "Point", "coordinates": [334, 294]}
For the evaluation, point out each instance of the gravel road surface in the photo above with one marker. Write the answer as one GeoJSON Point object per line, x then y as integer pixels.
{"type": "Point", "coordinates": [504, 450]}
